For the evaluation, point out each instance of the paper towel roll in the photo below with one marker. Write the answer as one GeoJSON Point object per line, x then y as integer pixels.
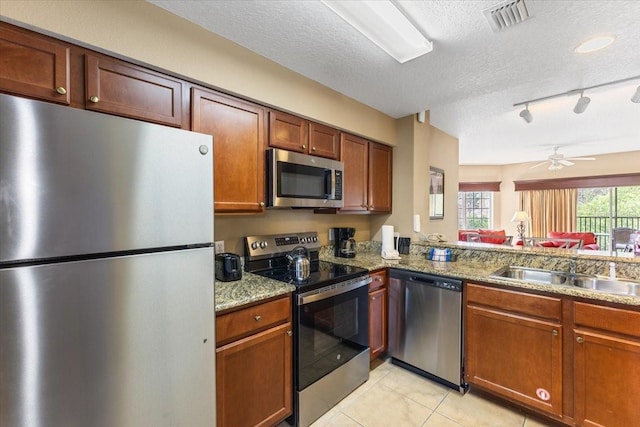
{"type": "Point", "coordinates": [388, 249]}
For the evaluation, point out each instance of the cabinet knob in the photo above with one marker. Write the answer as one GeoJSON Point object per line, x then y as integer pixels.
{"type": "Point", "coordinates": [258, 317]}
{"type": "Point", "coordinates": [304, 146]}
{"type": "Point", "coordinates": [313, 148]}
{"type": "Point", "coordinates": [580, 340]}
{"type": "Point", "coordinates": [373, 298]}
{"type": "Point", "coordinates": [554, 333]}
{"type": "Point", "coordinates": [261, 204]}
{"type": "Point", "coordinates": [363, 206]}
{"type": "Point", "coordinates": [370, 206]}
{"type": "Point", "coordinates": [289, 333]}
{"type": "Point", "coordinates": [94, 99]}
{"type": "Point", "coordinates": [377, 279]}
{"type": "Point", "coordinates": [61, 90]}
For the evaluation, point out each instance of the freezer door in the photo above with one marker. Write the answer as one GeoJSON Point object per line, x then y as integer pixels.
{"type": "Point", "coordinates": [79, 182]}
{"type": "Point", "coordinates": [126, 341]}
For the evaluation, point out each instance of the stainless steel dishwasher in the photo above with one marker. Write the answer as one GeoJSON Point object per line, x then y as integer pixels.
{"type": "Point", "coordinates": [425, 326]}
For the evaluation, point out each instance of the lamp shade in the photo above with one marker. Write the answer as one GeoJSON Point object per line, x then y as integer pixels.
{"type": "Point", "coordinates": [520, 216]}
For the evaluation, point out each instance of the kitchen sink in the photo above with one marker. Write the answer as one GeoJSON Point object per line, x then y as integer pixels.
{"type": "Point", "coordinates": [551, 277]}
{"type": "Point", "coordinates": [535, 275]}
{"type": "Point", "coordinates": [613, 286]}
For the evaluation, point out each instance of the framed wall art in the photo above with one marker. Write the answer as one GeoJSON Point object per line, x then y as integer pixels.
{"type": "Point", "coordinates": [436, 193]}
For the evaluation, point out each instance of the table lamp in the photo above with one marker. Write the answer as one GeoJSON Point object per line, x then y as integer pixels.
{"type": "Point", "coordinates": [520, 217]}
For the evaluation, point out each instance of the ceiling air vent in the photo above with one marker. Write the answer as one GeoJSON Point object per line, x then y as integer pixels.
{"type": "Point", "coordinates": [507, 14]}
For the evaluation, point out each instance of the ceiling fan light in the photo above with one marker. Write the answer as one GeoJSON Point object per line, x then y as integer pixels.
{"type": "Point", "coordinates": [636, 96]}
{"type": "Point", "coordinates": [526, 114]}
{"type": "Point", "coordinates": [582, 104]}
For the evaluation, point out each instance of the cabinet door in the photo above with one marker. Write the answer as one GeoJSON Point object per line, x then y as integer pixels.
{"type": "Point", "coordinates": [380, 159]}
{"type": "Point", "coordinates": [324, 141]}
{"type": "Point", "coordinates": [123, 89]}
{"type": "Point", "coordinates": [607, 379]}
{"type": "Point", "coordinates": [34, 66]}
{"type": "Point", "coordinates": [378, 322]}
{"type": "Point", "coordinates": [238, 146]}
{"type": "Point", "coordinates": [253, 379]}
{"type": "Point", "coordinates": [516, 357]}
{"type": "Point", "coordinates": [354, 154]}
{"type": "Point", "coordinates": [288, 132]}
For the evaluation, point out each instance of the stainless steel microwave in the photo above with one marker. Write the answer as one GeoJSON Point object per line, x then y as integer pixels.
{"type": "Point", "coordinates": [303, 181]}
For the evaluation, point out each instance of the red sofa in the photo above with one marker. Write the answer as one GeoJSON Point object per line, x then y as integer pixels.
{"type": "Point", "coordinates": [486, 236]}
{"type": "Point", "coordinates": [588, 239]}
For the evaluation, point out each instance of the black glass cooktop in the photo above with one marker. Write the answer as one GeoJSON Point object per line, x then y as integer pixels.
{"type": "Point", "coordinates": [323, 273]}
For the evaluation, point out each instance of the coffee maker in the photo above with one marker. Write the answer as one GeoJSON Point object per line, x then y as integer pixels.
{"type": "Point", "coordinates": [345, 244]}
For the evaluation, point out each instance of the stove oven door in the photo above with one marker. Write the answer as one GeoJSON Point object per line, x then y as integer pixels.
{"type": "Point", "coordinates": [333, 328]}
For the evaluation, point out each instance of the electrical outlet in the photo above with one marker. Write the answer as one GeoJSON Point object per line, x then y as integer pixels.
{"type": "Point", "coordinates": [219, 246]}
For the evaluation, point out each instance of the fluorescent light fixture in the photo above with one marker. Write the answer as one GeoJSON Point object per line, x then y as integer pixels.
{"type": "Point", "coordinates": [582, 104]}
{"type": "Point", "coordinates": [594, 44]}
{"type": "Point", "coordinates": [636, 96]}
{"type": "Point", "coordinates": [385, 25]}
{"type": "Point", "coordinates": [526, 114]}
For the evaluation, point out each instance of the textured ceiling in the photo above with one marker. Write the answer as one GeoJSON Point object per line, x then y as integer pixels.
{"type": "Point", "coordinates": [473, 76]}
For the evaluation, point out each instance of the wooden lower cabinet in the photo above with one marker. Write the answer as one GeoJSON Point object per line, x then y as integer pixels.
{"type": "Point", "coordinates": [254, 373]}
{"type": "Point", "coordinates": [606, 366]}
{"type": "Point", "coordinates": [378, 314]}
{"type": "Point", "coordinates": [511, 350]}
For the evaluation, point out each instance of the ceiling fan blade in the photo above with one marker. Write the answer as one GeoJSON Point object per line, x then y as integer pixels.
{"type": "Point", "coordinates": [539, 164]}
{"type": "Point", "coordinates": [581, 158]}
{"type": "Point", "coordinates": [566, 162]}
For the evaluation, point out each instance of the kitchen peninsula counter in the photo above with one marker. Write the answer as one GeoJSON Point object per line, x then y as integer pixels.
{"type": "Point", "coordinates": [478, 265]}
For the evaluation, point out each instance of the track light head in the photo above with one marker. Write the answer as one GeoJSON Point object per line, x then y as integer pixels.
{"type": "Point", "coordinates": [582, 104]}
{"type": "Point", "coordinates": [526, 114]}
{"type": "Point", "coordinates": [636, 96]}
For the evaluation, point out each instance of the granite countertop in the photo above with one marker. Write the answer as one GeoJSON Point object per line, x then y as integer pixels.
{"type": "Point", "coordinates": [252, 288]}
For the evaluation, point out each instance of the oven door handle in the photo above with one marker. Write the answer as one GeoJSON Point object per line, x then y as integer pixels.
{"type": "Point", "coordinates": [333, 290]}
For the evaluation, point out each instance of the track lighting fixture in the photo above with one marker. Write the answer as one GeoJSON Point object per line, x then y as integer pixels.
{"type": "Point", "coordinates": [582, 104]}
{"type": "Point", "coordinates": [583, 101]}
{"type": "Point", "coordinates": [636, 96]}
{"type": "Point", "coordinates": [526, 114]}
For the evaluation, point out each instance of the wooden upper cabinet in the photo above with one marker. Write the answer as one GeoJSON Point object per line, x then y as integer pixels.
{"type": "Point", "coordinates": [238, 132]}
{"type": "Point", "coordinates": [367, 175]}
{"type": "Point", "coordinates": [33, 65]}
{"type": "Point", "coordinates": [354, 155]}
{"type": "Point", "coordinates": [380, 172]}
{"type": "Point", "coordinates": [288, 132]}
{"type": "Point", "coordinates": [294, 133]}
{"type": "Point", "coordinates": [117, 87]}
{"type": "Point", "coordinates": [324, 141]}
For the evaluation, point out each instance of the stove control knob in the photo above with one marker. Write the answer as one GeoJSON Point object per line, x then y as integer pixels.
{"type": "Point", "coordinates": [315, 238]}
{"type": "Point", "coordinates": [303, 240]}
{"type": "Point", "coordinates": [254, 245]}
{"type": "Point", "coordinates": [263, 244]}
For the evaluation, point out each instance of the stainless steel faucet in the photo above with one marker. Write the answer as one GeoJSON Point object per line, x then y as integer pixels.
{"type": "Point", "coordinates": [571, 277]}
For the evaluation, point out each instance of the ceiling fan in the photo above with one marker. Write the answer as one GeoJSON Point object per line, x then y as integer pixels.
{"type": "Point", "coordinates": [557, 160]}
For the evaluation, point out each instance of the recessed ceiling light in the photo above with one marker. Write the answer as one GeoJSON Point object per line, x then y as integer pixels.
{"type": "Point", "coordinates": [595, 43]}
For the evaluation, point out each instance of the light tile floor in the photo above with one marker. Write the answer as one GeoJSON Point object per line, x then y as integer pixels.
{"type": "Point", "coordinates": [396, 397]}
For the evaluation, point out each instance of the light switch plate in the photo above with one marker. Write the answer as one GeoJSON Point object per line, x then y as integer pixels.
{"type": "Point", "coordinates": [219, 246]}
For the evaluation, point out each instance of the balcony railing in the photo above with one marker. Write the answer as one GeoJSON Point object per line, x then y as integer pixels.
{"type": "Point", "coordinates": [601, 226]}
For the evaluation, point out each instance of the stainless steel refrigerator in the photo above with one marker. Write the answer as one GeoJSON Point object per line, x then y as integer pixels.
{"type": "Point", "coordinates": [106, 270]}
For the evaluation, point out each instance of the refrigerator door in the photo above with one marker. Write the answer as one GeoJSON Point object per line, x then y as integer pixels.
{"type": "Point", "coordinates": [123, 341]}
{"type": "Point", "coordinates": [79, 182]}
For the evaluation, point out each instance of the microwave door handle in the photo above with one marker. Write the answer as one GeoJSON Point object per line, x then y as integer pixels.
{"type": "Point", "coordinates": [329, 184]}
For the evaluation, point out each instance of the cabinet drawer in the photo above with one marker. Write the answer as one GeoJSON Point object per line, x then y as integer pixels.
{"type": "Point", "coordinates": [252, 319]}
{"type": "Point", "coordinates": [378, 280]}
{"type": "Point", "coordinates": [518, 302]}
{"type": "Point", "coordinates": [607, 318]}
